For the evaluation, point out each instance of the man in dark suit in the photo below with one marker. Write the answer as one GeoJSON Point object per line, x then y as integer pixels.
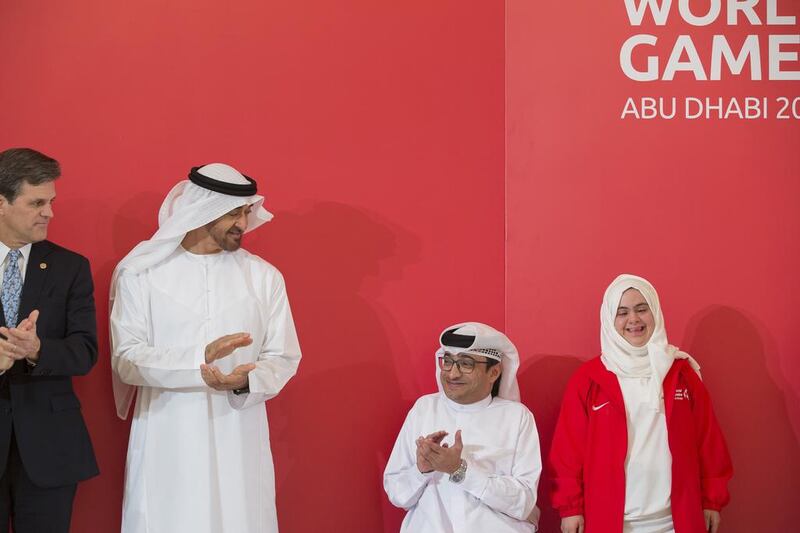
{"type": "Point", "coordinates": [47, 335]}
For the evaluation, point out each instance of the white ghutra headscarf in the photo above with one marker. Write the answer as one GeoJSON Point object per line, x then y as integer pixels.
{"type": "Point", "coordinates": [652, 360]}
{"type": "Point", "coordinates": [188, 206]}
{"type": "Point", "coordinates": [479, 339]}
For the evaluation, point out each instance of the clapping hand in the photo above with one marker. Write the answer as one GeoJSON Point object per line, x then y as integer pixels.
{"type": "Point", "coordinates": [436, 438]}
{"type": "Point", "coordinates": [21, 342]}
{"type": "Point", "coordinates": [440, 457]}
{"type": "Point", "coordinates": [226, 345]}
{"type": "Point", "coordinates": [223, 347]}
{"type": "Point", "coordinates": [217, 380]}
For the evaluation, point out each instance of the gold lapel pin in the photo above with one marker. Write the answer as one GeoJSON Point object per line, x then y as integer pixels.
{"type": "Point", "coordinates": [42, 265]}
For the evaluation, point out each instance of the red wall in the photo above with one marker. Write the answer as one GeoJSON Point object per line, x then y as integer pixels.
{"type": "Point", "coordinates": [705, 209]}
{"type": "Point", "coordinates": [376, 132]}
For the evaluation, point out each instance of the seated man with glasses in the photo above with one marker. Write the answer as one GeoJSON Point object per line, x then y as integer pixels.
{"type": "Point", "coordinates": [485, 478]}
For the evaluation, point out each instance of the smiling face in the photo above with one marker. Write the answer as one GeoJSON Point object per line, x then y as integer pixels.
{"type": "Point", "coordinates": [226, 231]}
{"type": "Point", "coordinates": [467, 388]}
{"type": "Point", "coordinates": [634, 320]}
{"type": "Point", "coordinates": [26, 219]}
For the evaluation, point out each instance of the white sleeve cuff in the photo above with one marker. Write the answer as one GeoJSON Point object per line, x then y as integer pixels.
{"type": "Point", "coordinates": [475, 481]}
{"type": "Point", "coordinates": [423, 476]}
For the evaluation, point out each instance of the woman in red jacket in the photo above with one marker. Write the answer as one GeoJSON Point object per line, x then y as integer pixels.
{"type": "Point", "coordinates": [637, 448]}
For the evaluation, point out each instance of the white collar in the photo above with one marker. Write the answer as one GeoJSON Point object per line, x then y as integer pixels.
{"type": "Point", "coordinates": [25, 250]}
{"type": "Point", "coordinates": [467, 408]}
{"type": "Point", "coordinates": [203, 258]}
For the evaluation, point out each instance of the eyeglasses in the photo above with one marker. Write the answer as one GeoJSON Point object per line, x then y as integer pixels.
{"type": "Point", "coordinates": [465, 365]}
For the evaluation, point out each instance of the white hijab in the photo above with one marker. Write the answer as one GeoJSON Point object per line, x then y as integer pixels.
{"type": "Point", "coordinates": [654, 359]}
{"type": "Point", "coordinates": [489, 339]}
{"type": "Point", "coordinates": [186, 207]}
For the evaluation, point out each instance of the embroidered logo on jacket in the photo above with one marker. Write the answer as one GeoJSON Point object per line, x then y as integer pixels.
{"type": "Point", "coordinates": [598, 407]}
{"type": "Point", "coordinates": [681, 394]}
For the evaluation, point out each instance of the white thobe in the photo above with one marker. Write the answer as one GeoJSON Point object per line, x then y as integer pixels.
{"type": "Point", "coordinates": [199, 460]}
{"type": "Point", "coordinates": [501, 448]}
{"type": "Point", "coordinates": [648, 465]}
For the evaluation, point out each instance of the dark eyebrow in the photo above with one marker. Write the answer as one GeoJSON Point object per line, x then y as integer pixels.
{"type": "Point", "coordinates": [460, 357]}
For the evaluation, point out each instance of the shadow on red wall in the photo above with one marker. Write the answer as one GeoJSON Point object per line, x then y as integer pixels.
{"type": "Point", "coordinates": [734, 351]}
{"type": "Point", "coordinates": [134, 221]}
{"type": "Point", "coordinates": [542, 385]}
{"type": "Point", "coordinates": [335, 422]}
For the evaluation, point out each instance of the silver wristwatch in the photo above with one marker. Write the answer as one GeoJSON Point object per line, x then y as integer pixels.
{"type": "Point", "coordinates": [459, 475]}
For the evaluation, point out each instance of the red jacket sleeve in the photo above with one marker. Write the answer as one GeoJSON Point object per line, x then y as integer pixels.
{"type": "Point", "coordinates": [716, 469]}
{"type": "Point", "coordinates": [567, 454]}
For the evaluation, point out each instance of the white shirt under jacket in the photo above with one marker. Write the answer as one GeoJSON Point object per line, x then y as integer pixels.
{"type": "Point", "coordinates": [648, 465]}
{"type": "Point", "coordinates": [501, 448]}
{"type": "Point", "coordinates": [199, 460]}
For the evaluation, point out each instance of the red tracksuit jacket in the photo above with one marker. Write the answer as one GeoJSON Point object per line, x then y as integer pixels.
{"type": "Point", "coordinates": [587, 458]}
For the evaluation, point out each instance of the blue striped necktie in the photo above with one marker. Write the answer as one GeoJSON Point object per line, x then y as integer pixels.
{"type": "Point", "coordinates": [12, 288]}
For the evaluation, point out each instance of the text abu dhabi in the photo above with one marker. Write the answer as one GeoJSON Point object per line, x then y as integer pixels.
{"type": "Point", "coordinates": [711, 107]}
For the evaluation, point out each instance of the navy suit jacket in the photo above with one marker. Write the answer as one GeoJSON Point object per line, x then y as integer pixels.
{"type": "Point", "coordinates": [39, 400]}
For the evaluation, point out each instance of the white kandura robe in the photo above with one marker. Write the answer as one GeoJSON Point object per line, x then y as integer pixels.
{"type": "Point", "coordinates": [501, 448]}
{"type": "Point", "coordinates": [648, 465]}
{"type": "Point", "coordinates": [199, 460]}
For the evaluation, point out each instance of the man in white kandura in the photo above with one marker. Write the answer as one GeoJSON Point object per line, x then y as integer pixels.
{"type": "Point", "coordinates": [485, 480]}
{"type": "Point", "coordinates": [202, 330]}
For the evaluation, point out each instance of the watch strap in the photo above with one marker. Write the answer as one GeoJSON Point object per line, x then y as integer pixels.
{"type": "Point", "coordinates": [460, 473]}
{"type": "Point", "coordinates": [243, 390]}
